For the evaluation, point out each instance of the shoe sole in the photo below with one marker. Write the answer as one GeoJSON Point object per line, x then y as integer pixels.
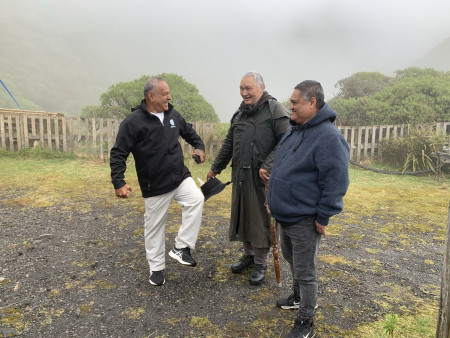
{"type": "Point", "coordinates": [294, 307]}
{"type": "Point", "coordinates": [240, 271]}
{"type": "Point", "coordinates": [177, 258]}
{"type": "Point", "coordinates": [256, 283]}
{"type": "Point", "coordinates": [289, 307]}
{"type": "Point", "coordinates": [164, 282]}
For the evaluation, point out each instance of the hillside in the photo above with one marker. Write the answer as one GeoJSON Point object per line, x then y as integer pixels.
{"type": "Point", "coordinates": [54, 62]}
{"type": "Point", "coordinates": [437, 58]}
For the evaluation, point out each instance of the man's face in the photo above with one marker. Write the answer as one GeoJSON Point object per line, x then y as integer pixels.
{"type": "Point", "coordinates": [160, 98]}
{"type": "Point", "coordinates": [250, 91]}
{"type": "Point", "coordinates": [302, 110]}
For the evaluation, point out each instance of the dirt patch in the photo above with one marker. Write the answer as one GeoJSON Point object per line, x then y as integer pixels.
{"type": "Point", "coordinates": [66, 272]}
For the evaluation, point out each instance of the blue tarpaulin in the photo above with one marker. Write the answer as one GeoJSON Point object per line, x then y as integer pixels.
{"type": "Point", "coordinates": [4, 86]}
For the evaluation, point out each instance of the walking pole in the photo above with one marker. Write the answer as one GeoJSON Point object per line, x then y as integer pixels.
{"type": "Point", "coordinates": [276, 259]}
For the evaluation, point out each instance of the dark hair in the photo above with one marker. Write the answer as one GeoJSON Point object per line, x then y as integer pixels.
{"type": "Point", "coordinates": [309, 89]}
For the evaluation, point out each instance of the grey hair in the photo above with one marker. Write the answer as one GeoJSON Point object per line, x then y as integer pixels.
{"type": "Point", "coordinates": [151, 84]}
{"type": "Point", "coordinates": [257, 77]}
{"type": "Point", "coordinates": [309, 89]}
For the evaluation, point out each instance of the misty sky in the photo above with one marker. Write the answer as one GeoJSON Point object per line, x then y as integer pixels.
{"type": "Point", "coordinates": [213, 43]}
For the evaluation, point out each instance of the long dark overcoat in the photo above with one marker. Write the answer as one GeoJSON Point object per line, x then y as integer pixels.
{"type": "Point", "coordinates": [250, 145]}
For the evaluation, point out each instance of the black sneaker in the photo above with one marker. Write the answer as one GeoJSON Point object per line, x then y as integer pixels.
{"type": "Point", "coordinates": [183, 256]}
{"type": "Point", "coordinates": [245, 262]}
{"type": "Point", "coordinates": [157, 278]}
{"type": "Point", "coordinates": [302, 329]}
{"type": "Point", "coordinates": [290, 303]}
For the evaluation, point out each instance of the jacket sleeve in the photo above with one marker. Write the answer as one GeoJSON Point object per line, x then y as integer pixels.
{"type": "Point", "coordinates": [119, 154]}
{"type": "Point", "coordinates": [190, 135]}
{"type": "Point", "coordinates": [332, 163]}
{"type": "Point", "coordinates": [280, 127]}
{"type": "Point", "coordinates": [225, 152]}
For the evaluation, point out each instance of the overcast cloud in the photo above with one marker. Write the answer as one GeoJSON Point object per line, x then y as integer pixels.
{"type": "Point", "coordinates": [213, 43]}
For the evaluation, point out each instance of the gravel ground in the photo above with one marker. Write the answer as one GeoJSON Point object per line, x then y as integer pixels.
{"type": "Point", "coordinates": [72, 273]}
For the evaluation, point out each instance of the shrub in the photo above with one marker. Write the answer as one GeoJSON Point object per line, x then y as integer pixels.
{"type": "Point", "coordinates": [414, 151]}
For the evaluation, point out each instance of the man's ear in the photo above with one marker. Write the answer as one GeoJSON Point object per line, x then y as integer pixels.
{"type": "Point", "coordinates": [313, 102]}
{"type": "Point", "coordinates": [263, 86]}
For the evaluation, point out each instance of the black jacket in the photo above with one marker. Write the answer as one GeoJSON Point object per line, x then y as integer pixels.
{"type": "Point", "coordinates": [157, 153]}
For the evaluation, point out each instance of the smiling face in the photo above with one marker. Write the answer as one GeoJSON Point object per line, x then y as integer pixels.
{"type": "Point", "coordinates": [250, 91]}
{"type": "Point", "coordinates": [158, 100]}
{"type": "Point", "coordinates": [302, 110]}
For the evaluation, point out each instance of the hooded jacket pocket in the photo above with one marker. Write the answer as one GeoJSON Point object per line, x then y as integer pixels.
{"type": "Point", "coordinates": [282, 201]}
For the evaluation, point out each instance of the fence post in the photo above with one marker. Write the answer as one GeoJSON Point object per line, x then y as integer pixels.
{"type": "Point", "coordinates": [2, 131]}
{"type": "Point", "coordinates": [64, 134]}
{"type": "Point", "coordinates": [94, 136]}
{"type": "Point", "coordinates": [101, 138]}
{"type": "Point", "coordinates": [19, 132]}
{"type": "Point", "coordinates": [443, 325]}
{"type": "Point", "coordinates": [10, 133]}
{"type": "Point", "coordinates": [56, 124]}
{"type": "Point", "coordinates": [49, 132]}
{"type": "Point", "coordinates": [352, 142]}
{"type": "Point", "coordinates": [26, 138]}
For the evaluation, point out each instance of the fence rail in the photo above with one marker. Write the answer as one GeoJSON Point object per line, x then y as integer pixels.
{"type": "Point", "coordinates": [96, 136]}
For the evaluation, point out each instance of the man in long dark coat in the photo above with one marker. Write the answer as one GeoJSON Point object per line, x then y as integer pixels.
{"type": "Point", "coordinates": [250, 144]}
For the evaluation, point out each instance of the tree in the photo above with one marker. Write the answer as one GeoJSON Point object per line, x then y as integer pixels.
{"type": "Point", "coordinates": [414, 96]}
{"type": "Point", "coordinates": [414, 72]}
{"type": "Point", "coordinates": [361, 84]}
{"type": "Point", "coordinates": [118, 100]}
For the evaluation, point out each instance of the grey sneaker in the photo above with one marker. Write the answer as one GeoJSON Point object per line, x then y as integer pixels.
{"type": "Point", "coordinates": [183, 256]}
{"type": "Point", "coordinates": [157, 278]}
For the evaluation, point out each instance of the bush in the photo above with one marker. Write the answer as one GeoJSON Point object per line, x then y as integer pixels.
{"type": "Point", "coordinates": [414, 151]}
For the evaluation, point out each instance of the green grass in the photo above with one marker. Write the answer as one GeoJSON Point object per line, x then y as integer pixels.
{"type": "Point", "coordinates": [38, 178]}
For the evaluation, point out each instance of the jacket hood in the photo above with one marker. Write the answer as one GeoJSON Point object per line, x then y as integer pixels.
{"type": "Point", "coordinates": [325, 113]}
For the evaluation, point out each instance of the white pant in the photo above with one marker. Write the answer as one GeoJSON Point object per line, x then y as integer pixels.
{"type": "Point", "coordinates": [156, 208]}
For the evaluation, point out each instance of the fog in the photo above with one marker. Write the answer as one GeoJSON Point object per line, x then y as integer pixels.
{"type": "Point", "coordinates": [213, 43]}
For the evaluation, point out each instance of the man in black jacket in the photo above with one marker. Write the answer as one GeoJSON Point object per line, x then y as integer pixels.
{"type": "Point", "coordinates": [151, 134]}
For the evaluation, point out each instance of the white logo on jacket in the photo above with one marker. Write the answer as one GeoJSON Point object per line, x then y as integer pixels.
{"type": "Point", "coordinates": [172, 124]}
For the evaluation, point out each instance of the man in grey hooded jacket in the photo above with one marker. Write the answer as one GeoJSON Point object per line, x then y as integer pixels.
{"type": "Point", "coordinates": [306, 187]}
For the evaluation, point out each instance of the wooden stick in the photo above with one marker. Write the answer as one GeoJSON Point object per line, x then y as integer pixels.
{"type": "Point", "coordinates": [276, 259]}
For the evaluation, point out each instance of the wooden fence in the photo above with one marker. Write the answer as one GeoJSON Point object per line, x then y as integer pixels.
{"type": "Point", "coordinates": [89, 136]}
{"type": "Point", "coordinates": [364, 140]}
{"type": "Point", "coordinates": [96, 136]}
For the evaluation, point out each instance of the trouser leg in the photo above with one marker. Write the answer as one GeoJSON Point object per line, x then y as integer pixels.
{"type": "Point", "coordinates": [155, 217]}
{"type": "Point", "coordinates": [248, 249]}
{"type": "Point", "coordinates": [261, 254]}
{"type": "Point", "coordinates": [191, 198]}
{"type": "Point", "coordinates": [300, 243]}
{"type": "Point", "coordinates": [286, 250]}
